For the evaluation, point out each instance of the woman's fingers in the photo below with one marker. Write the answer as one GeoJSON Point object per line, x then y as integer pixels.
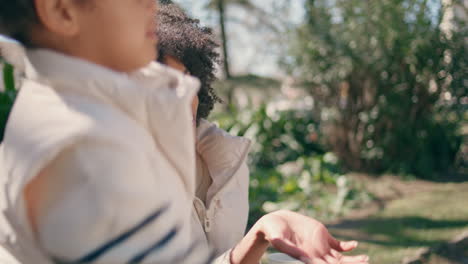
{"type": "Point", "coordinates": [313, 261]}
{"type": "Point", "coordinates": [362, 259]}
{"type": "Point", "coordinates": [340, 259]}
{"type": "Point", "coordinates": [349, 259]}
{"type": "Point", "coordinates": [288, 247]}
{"type": "Point", "coordinates": [332, 259]}
{"type": "Point", "coordinates": [340, 245]}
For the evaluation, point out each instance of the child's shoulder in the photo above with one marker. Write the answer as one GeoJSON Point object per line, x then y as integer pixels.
{"type": "Point", "coordinates": [40, 122]}
{"type": "Point", "coordinates": [43, 115]}
{"type": "Point", "coordinates": [38, 108]}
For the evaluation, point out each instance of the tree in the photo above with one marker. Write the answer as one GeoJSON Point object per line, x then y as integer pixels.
{"type": "Point", "coordinates": [220, 7]}
{"type": "Point", "coordinates": [384, 83]}
{"type": "Point", "coordinates": [261, 19]}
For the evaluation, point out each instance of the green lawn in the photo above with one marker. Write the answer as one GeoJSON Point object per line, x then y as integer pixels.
{"type": "Point", "coordinates": [420, 219]}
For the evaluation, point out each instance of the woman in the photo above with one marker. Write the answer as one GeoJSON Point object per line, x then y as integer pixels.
{"type": "Point", "coordinates": [221, 201]}
{"type": "Point", "coordinates": [222, 178]}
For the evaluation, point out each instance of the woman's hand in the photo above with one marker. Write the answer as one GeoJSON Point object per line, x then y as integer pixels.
{"type": "Point", "coordinates": [306, 239]}
{"type": "Point", "coordinates": [296, 235]}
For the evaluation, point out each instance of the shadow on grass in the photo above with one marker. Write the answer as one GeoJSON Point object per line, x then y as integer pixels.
{"type": "Point", "coordinates": [453, 177]}
{"type": "Point", "coordinates": [453, 254]}
{"type": "Point", "coordinates": [397, 231]}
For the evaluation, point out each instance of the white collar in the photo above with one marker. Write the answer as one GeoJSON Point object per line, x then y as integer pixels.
{"type": "Point", "coordinates": [13, 52]}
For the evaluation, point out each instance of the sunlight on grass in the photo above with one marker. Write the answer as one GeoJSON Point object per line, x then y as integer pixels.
{"type": "Point", "coordinates": [408, 224]}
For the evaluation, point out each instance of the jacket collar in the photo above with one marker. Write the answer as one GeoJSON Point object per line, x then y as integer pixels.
{"type": "Point", "coordinates": [13, 52]}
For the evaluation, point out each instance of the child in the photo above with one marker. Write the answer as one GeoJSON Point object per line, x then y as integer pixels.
{"type": "Point", "coordinates": [97, 163]}
{"type": "Point", "coordinates": [82, 131]}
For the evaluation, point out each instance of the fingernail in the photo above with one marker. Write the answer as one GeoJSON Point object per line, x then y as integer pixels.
{"type": "Point", "coordinates": [305, 260]}
{"type": "Point", "coordinates": [352, 244]}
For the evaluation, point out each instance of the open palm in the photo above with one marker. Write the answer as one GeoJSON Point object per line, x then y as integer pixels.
{"type": "Point", "coordinates": [307, 239]}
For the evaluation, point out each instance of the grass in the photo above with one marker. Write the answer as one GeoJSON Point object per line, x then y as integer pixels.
{"type": "Point", "coordinates": [420, 219]}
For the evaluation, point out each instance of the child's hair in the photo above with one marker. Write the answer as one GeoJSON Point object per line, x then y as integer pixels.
{"type": "Point", "coordinates": [192, 44]}
{"type": "Point", "coordinates": [16, 19]}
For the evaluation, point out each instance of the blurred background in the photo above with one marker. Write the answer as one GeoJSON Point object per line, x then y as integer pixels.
{"type": "Point", "coordinates": [358, 114]}
{"type": "Point", "coordinates": [357, 111]}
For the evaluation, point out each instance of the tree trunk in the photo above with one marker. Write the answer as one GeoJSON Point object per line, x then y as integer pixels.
{"type": "Point", "coordinates": [222, 23]}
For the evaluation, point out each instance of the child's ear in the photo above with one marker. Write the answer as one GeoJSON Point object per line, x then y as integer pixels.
{"type": "Point", "coordinates": [59, 16]}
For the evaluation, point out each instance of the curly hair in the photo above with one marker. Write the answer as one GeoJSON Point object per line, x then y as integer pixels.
{"type": "Point", "coordinates": [194, 46]}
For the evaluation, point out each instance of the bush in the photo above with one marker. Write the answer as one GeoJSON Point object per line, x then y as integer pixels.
{"type": "Point", "coordinates": [290, 169]}
{"type": "Point", "coordinates": [389, 83]}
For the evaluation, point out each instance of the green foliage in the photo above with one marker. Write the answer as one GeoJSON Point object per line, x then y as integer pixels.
{"type": "Point", "coordinates": [388, 82]}
{"type": "Point", "coordinates": [289, 167]}
{"type": "Point", "coordinates": [279, 137]}
{"type": "Point", "coordinates": [7, 97]}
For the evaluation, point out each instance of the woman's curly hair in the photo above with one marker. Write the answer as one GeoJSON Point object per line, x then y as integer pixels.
{"type": "Point", "coordinates": [192, 44]}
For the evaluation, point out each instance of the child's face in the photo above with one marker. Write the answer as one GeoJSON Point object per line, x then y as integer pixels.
{"type": "Point", "coordinates": [122, 33]}
{"type": "Point", "coordinates": [118, 34]}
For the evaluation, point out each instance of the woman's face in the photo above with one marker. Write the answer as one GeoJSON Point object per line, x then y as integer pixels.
{"type": "Point", "coordinates": [178, 65]}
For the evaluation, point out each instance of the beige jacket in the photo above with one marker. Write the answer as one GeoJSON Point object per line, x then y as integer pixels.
{"type": "Point", "coordinates": [222, 206]}
{"type": "Point", "coordinates": [121, 161]}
